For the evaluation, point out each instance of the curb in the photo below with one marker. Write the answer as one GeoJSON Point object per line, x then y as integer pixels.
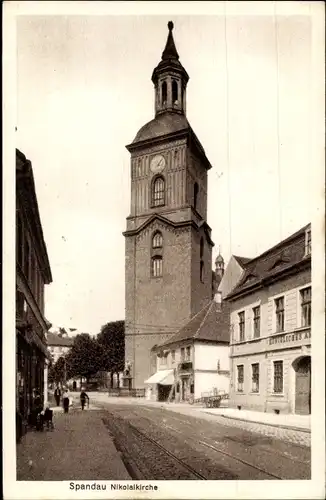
{"type": "Point", "coordinates": [289, 427]}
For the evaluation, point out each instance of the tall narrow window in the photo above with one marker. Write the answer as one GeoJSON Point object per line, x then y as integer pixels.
{"type": "Point", "coordinates": [201, 269]}
{"type": "Point", "coordinates": [255, 377]}
{"type": "Point", "coordinates": [164, 93]}
{"type": "Point", "coordinates": [174, 92]}
{"type": "Point", "coordinates": [241, 316]}
{"type": "Point", "coordinates": [278, 376]}
{"type": "Point", "coordinates": [182, 354]}
{"type": "Point", "coordinates": [196, 189]}
{"type": "Point", "coordinates": [158, 192]}
{"type": "Point", "coordinates": [240, 378]}
{"type": "Point", "coordinates": [308, 242]}
{"type": "Point", "coordinates": [279, 311]}
{"type": "Point", "coordinates": [157, 241]}
{"type": "Point", "coordinates": [306, 306]}
{"type": "Point", "coordinates": [256, 311]}
{"type": "Point", "coordinates": [157, 266]}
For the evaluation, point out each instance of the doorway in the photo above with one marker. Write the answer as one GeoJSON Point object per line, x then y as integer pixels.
{"type": "Point", "coordinates": [302, 369]}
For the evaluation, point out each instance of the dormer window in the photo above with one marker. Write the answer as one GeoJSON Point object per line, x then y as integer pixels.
{"type": "Point", "coordinates": [308, 242]}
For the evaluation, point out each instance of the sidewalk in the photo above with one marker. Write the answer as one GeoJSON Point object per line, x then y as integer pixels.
{"type": "Point", "coordinates": [79, 448]}
{"type": "Point", "coordinates": [283, 420]}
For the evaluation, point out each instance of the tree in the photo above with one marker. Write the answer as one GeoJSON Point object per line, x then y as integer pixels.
{"type": "Point", "coordinates": [85, 358]}
{"type": "Point", "coordinates": [112, 339]}
{"type": "Point", "coordinates": [57, 371]}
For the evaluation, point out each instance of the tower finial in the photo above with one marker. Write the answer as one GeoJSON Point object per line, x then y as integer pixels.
{"type": "Point", "coordinates": [170, 25]}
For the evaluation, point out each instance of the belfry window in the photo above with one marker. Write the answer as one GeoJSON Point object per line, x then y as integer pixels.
{"type": "Point", "coordinates": [157, 266]}
{"type": "Point", "coordinates": [164, 93]}
{"type": "Point", "coordinates": [196, 189]}
{"type": "Point", "coordinates": [157, 241]}
{"type": "Point", "coordinates": [174, 92]}
{"type": "Point", "coordinates": [201, 259]}
{"type": "Point", "coordinates": [158, 192]}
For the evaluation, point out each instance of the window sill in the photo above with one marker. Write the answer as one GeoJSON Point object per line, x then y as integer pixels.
{"type": "Point", "coordinates": [253, 393]}
{"type": "Point", "coordinates": [278, 394]}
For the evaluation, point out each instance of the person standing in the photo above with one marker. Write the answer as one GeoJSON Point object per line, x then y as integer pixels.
{"type": "Point", "coordinates": [57, 395]}
{"type": "Point", "coordinates": [65, 401]}
{"type": "Point", "coordinates": [83, 397]}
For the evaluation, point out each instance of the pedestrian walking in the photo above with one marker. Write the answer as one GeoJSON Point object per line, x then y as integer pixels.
{"type": "Point", "coordinates": [57, 395]}
{"type": "Point", "coordinates": [65, 401]}
{"type": "Point", "coordinates": [83, 397]}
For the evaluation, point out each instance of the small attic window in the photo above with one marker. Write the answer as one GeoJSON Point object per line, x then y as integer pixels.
{"type": "Point", "coordinates": [250, 277]}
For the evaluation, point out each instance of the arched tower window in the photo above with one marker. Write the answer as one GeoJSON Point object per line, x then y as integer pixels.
{"type": "Point", "coordinates": [201, 259]}
{"type": "Point", "coordinates": [157, 266]}
{"type": "Point", "coordinates": [158, 191]}
{"type": "Point", "coordinates": [157, 241]}
{"type": "Point", "coordinates": [164, 93]}
{"type": "Point", "coordinates": [196, 189]}
{"type": "Point", "coordinates": [174, 92]}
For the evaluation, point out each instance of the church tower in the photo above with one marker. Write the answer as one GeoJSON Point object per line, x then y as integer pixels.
{"type": "Point", "coordinates": [168, 267]}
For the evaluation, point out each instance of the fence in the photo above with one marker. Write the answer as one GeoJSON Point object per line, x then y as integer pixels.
{"type": "Point", "coordinates": [124, 392]}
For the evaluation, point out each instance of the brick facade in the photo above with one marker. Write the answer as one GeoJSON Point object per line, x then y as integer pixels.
{"type": "Point", "coordinates": [156, 307]}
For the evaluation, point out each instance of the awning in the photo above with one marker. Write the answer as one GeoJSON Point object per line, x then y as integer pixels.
{"type": "Point", "coordinates": [164, 377]}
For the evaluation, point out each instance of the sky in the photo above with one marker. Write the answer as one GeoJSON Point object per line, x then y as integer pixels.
{"type": "Point", "coordinates": [84, 90]}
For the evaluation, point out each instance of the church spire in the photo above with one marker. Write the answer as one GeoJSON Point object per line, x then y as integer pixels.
{"type": "Point", "coordinates": [170, 80]}
{"type": "Point", "coordinates": [170, 52]}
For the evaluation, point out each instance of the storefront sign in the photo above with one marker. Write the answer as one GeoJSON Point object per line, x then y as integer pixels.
{"type": "Point", "coordinates": [289, 337]}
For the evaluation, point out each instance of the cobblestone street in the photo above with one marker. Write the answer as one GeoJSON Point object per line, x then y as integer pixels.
{"type": "Point", "coordinates": [217, 447]}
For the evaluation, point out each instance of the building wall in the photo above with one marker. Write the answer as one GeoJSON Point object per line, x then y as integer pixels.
{"type": "Point", "coordinates": [32, 272]}
{"type": "Point", "coordinates": [231, 277]}
{"type": "Point", "coordinates": [212, 368]}
{"type": "Point", "coordinates": [287, 346]}
{"type": "Point", "coordinates": [58, 351]}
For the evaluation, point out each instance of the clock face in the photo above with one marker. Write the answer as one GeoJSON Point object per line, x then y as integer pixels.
{"type": "Point", "coordinates": [157, 164]}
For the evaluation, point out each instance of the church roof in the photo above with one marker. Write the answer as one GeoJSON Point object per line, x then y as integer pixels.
{"type": "Point", "coordinates": [164, 124]}
{"type": "Point", "coordinates": [273, 263]}
{"type": "Point", "coordinates": [210, 324]}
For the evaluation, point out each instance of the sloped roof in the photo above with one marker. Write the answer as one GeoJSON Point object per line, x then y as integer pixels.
{"type": "Point", "coordinates": [273, 262]}
{"type": "Point", "coordinates": [242, 260]}
{"type": "Point", "coordinates": [209, 324]}
{"type": "Point", "coordinates": [56, 340]}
